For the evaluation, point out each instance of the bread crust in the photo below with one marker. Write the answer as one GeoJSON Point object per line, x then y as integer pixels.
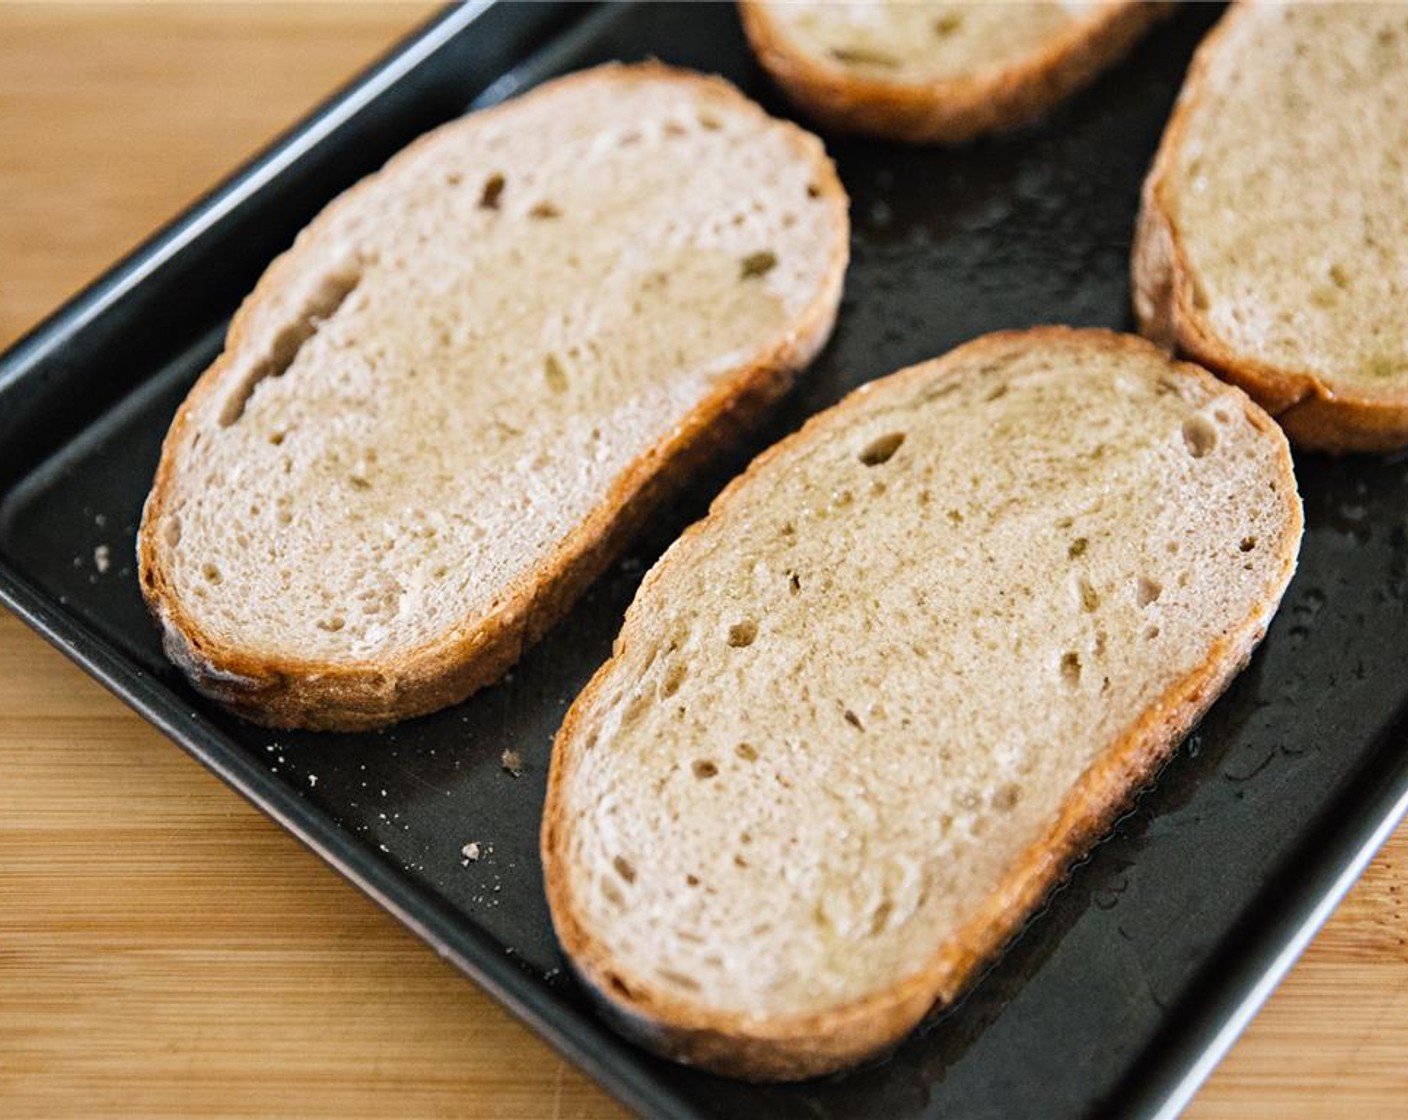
{"type": "Point", "coordinates": [1314, 414]}
{"type": "Point", "coordinates": [794, 1047]}
{"type": "Point", "coordinates": [352, 696]}
{"type": "Point", "coordinates": [954, 110]}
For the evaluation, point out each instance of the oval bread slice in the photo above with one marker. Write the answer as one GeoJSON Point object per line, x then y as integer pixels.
{"type": "Point", "coordinates": [861, 718]}
{"type": "Point", "coordinates": [441, 412]}
{"type": "Point", "coordinates": [1273, 239]}
{"type": "Point", "coordinates": [927, 72]}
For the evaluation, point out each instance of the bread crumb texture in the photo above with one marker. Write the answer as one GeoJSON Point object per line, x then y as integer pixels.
{"type": "Point", "coordinates": [911, 42]}
{"type": "Point", "coordinates": [447, 374]}
{"type": "Point", "coordinates": [849, 702]}
{"type": "Point", "coordinates": [1289, 191]}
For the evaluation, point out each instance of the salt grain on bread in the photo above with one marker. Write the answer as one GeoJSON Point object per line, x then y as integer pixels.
{"type": "Point", "coordinates": [862, 717]}
{"type": "Point", "coordinates": [926, 72]}
{"type": "Point", "coordinates": [440, 414]}
{"type": "Point", "coordinates": [1273, 240]}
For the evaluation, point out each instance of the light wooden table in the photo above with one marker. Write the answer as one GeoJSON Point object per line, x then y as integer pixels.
{"type": "Point", "coordinates": [165, 950]}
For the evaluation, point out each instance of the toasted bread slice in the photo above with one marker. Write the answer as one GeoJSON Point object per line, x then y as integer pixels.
{"type": "Point", "coordinates": [1273, 239]}
{"type": "Point", "coordinates": [927, 72]}
{"type": "Point", "coordinates": [862, 717]}
{"type": "Point", "coordinates": [441, 412]}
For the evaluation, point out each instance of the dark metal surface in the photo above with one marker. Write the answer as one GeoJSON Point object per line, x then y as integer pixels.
{"type": "Point", "coordinates": [1136, 975]}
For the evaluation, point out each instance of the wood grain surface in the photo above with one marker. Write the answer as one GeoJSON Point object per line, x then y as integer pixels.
{"type": "Point", "coordinates": [164, 949]}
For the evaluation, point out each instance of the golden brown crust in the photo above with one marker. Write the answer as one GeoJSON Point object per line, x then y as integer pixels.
{"type": "Point", "coordinates": [796, 1047]}
{"type": "Point", "coordinates": [948, 111]}
{"type": "Point", "coordinates": [335, 696]}
{"type": "Point", "coordinates": [1167, 305]}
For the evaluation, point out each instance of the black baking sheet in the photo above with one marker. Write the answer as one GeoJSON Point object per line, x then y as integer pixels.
{"type": "Point", "coordinates": [1137, 975]}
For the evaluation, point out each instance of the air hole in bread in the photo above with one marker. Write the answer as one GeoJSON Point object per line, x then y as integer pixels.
{"type": "Point", "coordinates": [1147, 591]}
{"type": "Point", "coordinates": [1151, 633]}
{"type": "Point", "coordinates": [211, 573]}
{"type": "Point", "coordinates": [853, 719]}
{"type": "Point", "coordinates": [813, 191]}
{"type": "Point", "coordinates": [997, 392]}
{"type": "Point", "coordinates": [171, 531]}
{"type": "Point", "coordinates": [543, 210]}
{"type": "Point", "coordinates": [705, 768]}
{"type": "Point", "coordinates": [691, 880]}
{"type": "Point", "coordinates": [277, 438]}
{"type": "Point", "coordinates": [756, 265]}
{"type": "Point", "coordinates": [493, 191]}
{"type": "Point", "coordinates": [745, 837]}
{"type": "Point", "coordinates": [678, 979]}
{"type": "Point", "coordinates": [1070, 668]}
{"type": "Point", "coordinates": [881, 450]}
{"type": "Point", "coordinates": [742, 634]}
{"type": "Point", "coordinates": [794, 583]}
{"type": "Point", "coordinates": [321, 306]}
{"type": "Point", "coordinates": [624, 868]}
{"type": "Point", "coordinates": [637, 707]}
{"type": "Point", "coordinates": [554, 374]}
{"type": "Point", "coordinates": [739, 861]}
{"type": "Point", "coordinates": [864, 56]}
{"type": "Point", "coordinates": [748, 753]}
{"type": "Point", "coordinates": [881, 917]}
{"type": "Point", "coordinates": [612, 893]}
{"type": "Point", "coordinates": [1078, 547]}
{"type": "Point", "coordinates": [674, 677]}
{"type": "Point", "coordinates": [332, 624]}
{"type": "Point", "coordinates": [1089, 597]}
{"type": "Point", "coordinates": [1199, 435]}
{"type": "Point", "coordinates": [1005, 798]}
{"type": "Point", "coordinates": [946, 25]}
{"type": "Point", "coordinates": [709, 122]}
{"type": "Point", "coordinates": [1248, 543]}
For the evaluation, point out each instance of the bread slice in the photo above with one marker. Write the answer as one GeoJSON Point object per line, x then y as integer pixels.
{"type": "Point", "coordinates": [441, 412]}
{"type": "Point", "coordinates": [927, 72]}
{"type": "Point", "coordinates": [861, 718]}
{"type": "Point", "coordinates": [1273, 240]}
